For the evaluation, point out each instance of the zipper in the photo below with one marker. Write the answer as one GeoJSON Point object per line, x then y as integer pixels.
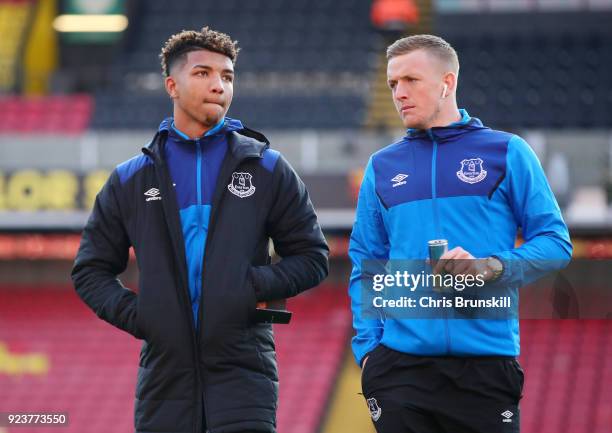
{"type": "Point", "coordinates": [198, 281]}
{"type": "Point", "coordinates": [434, 184]}
{"type": "Point", "coordinates": [438, 231]}
{"type": "Point", "coordinates": [217, 199]}
{"type": "Point", "coordinates": [164, 183]}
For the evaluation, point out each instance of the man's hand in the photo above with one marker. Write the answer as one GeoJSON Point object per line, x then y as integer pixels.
{"type": "Point", "coordinates": [364, 362]}
{"type": "Point", "coordinates": [460, 262]}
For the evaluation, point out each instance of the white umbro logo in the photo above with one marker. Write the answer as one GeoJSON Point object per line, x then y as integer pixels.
{"type": "Point", "coordinates": [398, 180]}
{"type": "Point", "coordinates": [152, 194]}
{"type": "Point", "coordinates": [507, 416]}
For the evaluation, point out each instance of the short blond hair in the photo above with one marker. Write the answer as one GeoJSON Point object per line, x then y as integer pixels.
{"type": "Point", "coordinates": [434, 45]}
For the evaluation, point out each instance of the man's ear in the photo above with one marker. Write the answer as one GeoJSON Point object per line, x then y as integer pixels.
{"type": "Point", "coordinates": [170, 85]}
{"type": "Point", "coordinates": [449, 83]}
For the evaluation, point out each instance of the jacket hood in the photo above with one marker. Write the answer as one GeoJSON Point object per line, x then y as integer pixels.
{"type": "Point", "coordinates": [227, 124]}
{"type": "Point", "coordinates": [243, 142]}
{"type": "Point", "coordinates": [447, 133]}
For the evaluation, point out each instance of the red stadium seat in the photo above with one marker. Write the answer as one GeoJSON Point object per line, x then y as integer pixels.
{"type": "Point", "coordinates": [568, 383]}
{"type": "Point", "coordinates": [69, 114]}
{"type": "Point", "coordinates": [92, 366]}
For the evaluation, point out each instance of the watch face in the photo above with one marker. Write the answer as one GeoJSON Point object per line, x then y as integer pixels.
{"type": "Point", "coordinates": [495, 264]}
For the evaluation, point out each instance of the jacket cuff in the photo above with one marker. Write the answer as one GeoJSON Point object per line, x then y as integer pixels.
{"type": "Point", "coordinates": [259, 281]}
{"type": "Point", "coordinates": [507, 264]}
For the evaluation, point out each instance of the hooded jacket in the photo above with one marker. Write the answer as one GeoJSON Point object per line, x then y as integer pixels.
{"type": "Point", "coordinates": [474, 187]}
{"type": "Point", "coordinates": [211, 364]}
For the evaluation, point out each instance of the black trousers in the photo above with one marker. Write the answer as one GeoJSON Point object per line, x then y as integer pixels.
{"type": "Point", "coordinates": [418, 394]}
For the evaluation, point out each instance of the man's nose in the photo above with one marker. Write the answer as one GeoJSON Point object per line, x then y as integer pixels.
{"type": "Point", "coordinates": [400, 92]}
{"type": "Point", "coordinates": [216, 84]}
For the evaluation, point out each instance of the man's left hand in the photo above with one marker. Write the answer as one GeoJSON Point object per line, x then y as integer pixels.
{"type": "Point", "coordinates": [460, 262]}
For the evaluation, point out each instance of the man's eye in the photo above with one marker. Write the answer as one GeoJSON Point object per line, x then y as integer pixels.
{"type": "Point", "coordinates": [228, 78]}
{"type": "Point", "coordinates": [202, 73]}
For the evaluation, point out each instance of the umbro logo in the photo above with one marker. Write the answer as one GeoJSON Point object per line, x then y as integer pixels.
{"type": "Point", "coordinates": [507, 416]}
{"type": "Point", "coordinates": [398, 180]}
{"type": "Point", "coordinates": [152, 194]}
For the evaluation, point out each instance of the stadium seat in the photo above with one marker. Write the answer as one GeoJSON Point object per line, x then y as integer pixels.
{"type": "Point", "coordinates": [536, 80]}
{"type": "Point", "coordinates": [58, 114]}
{"type": "Point", "coordinates": [88, 368]}
{"type": "Point", "coordinates": [565, 366]}
{"type": "Point", "coordinates": [303, 36]}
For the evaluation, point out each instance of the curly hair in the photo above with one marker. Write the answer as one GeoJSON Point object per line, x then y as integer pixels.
{"type": "Point", "coordinates": [179, 44]}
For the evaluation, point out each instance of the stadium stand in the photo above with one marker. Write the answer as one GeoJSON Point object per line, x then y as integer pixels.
{"type": "Point", "coordinates": [500, 6]}
{"type": "Point", "coordinates": [50, 356]}
{"type": "Point", "coordinates": [75, 363]}
{"type": "Point", "coordinates": [537, 80]}
{"type": "Point", "coordinates": [65, 359]}
{"type": "Point", "coordinates": [68, 114]}
{"type": "Point", "coordinates": [521, 79]}
{"type": "Point", "coordinates": [147, 111]}
{"type": "Point", "coordinates": [566, 369]}
{"type": "Point", "coordinates": [310, 353]}
{"type": "Point", "coordinates": [303, 40]}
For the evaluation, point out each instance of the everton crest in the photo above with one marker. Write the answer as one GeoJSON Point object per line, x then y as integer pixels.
{"type": "Point", "coordinates": [375, 410]}
{"type": "Point", "coordinates": [241, 185]}
{"type": "Point", "coordinates": [472, 171]}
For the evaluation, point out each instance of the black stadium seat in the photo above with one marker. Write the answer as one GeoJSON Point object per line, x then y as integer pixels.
{"type": "Point", "coordinates": [537, 80]}
{"type": "Point", "coordinates": [330, 37]}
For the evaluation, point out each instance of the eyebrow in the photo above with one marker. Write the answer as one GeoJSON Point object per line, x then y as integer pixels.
{"type": "Point", "coordinates": [403, 77]}
{"type": "Point", "coordinates": [225, 71]}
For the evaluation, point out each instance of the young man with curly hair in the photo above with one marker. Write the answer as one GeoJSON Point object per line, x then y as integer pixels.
{"type": "Point", "coordinates": [199, 206]}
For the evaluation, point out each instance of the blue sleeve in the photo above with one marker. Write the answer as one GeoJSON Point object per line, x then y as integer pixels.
{"type": "Point", "coordinates": [368, 242]}
{"type": "Point", "coordinates": [547, 246]}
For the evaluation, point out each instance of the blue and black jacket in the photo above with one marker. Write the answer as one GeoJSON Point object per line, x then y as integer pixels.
{"type": "Point", "coordinates": [199, 215]}
{"type": "Point", "coordinates": [474, 187]}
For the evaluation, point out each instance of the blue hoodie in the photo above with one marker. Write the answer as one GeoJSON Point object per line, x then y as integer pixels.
{"type": "Point", "coordinates": [194, 166]}
{"type": "Point", "coordinates": [474, 187]}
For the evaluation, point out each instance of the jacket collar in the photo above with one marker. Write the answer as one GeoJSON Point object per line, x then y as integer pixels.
{"type": "Point", "coordinates": [226, 124]}
{"type": "Point", "coordinates": [446, 133]}
{"type": "Point", "coordinates": [242, 142]}
{"type": "Point", "coordinates": [217, 128]}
